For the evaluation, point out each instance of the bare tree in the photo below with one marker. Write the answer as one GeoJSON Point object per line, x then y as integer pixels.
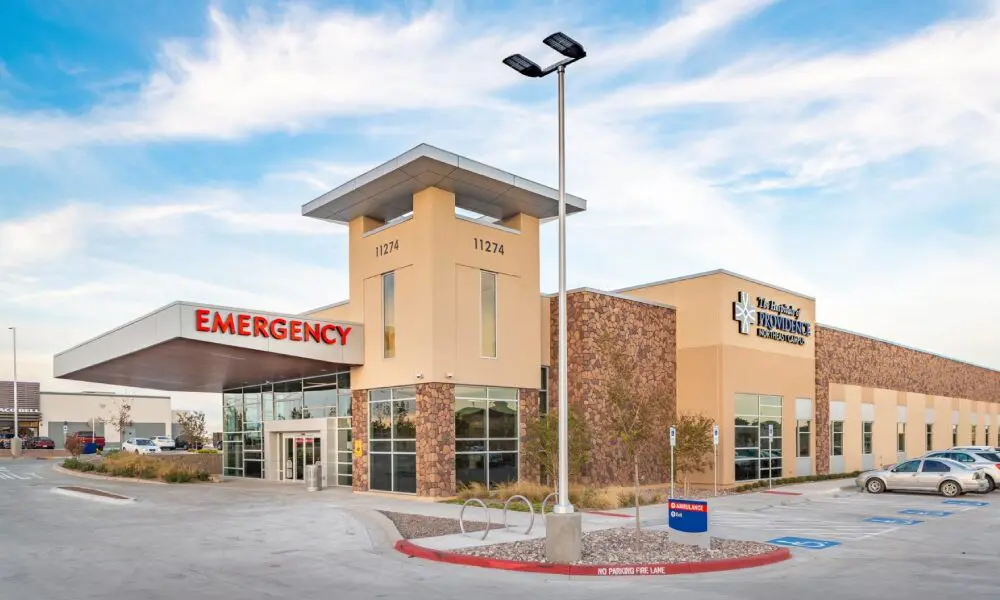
{"type": "Point", "coordinates": [693, 453]}
{"type": "Point", "coordinates": [121, 417]}
{"type": "Point", "coordinates": [193, 428]}
{"type": "Point", "coordinates": [635, 413]}
{"type": "Point", "coordinates": [73, 445]}
{"type": "Point", "coordinates": [541, 445]}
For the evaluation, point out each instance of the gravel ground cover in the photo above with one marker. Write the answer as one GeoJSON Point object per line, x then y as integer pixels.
{"type": "Point", "coordinates": [422, 526]}
{"type": "Point", "coordinates": [618, 546]}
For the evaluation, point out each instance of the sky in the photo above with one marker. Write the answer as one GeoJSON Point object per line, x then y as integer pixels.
{"type": "Point", "coordinates": [161, 151]}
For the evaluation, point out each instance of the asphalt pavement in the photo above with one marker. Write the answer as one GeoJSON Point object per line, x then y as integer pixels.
{"type": "Point", "coordinates": [267, 541]}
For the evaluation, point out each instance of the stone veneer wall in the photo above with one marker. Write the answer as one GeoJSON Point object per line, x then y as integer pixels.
{"type": "Point", "coordinates": [435, 439]}
{"type": "Point", "coordinates": [359, 427]}
{"type": "Point", "coordinates": [851, 359]}
{"type": "Point", "coordinates": [528, 412]}
{"type": "Point", "coordinates": [648, 328]}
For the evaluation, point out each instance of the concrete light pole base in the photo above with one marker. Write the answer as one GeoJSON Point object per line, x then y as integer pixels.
{"type": "Point", "coordinates": [15, 447]}
{"type": "Point", "coordinates": [563, 532]}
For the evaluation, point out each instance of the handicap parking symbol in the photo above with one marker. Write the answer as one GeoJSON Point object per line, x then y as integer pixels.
{"type": "Point", "coordinates": [924, 513]}
{"type": "Point", "coordinates": [797, 542]}
{"type": "Point", "coordinates": [966, 502]}
{"type": "Point", "coordinates": [892, 521]}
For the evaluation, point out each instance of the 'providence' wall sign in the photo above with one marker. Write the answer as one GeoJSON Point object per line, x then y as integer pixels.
{"type": "Point", "coordinates": [770, 319]}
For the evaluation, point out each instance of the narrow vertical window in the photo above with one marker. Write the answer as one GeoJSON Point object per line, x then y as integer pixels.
{"type": "Point", "coordinates": [803, 441]}
{"type": "Point", "coordinates": [973, 440]}
{"type": "Point", "coordinates": [488, 313]}
{"type": "Point", "coordinates": [954, 435]}
{"type": "Point", "coordinates": [866, 437]}
{"type": "Point", "coordinates": [837, 438]}
{"type": "Point", "coordinates": [901, 438]}
{"type": "Point", "coordinates": [389, 315]}
{"type": "Point", "coordinates": [929, 443]}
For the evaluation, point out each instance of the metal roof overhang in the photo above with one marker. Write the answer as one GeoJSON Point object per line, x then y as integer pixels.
{"type": "Point", "coordinates": [165, 350]}
{"type": "Point", "coordinates": [386, 192]}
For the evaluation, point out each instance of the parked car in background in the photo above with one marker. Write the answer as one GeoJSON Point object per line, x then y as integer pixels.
{"type": "Point", "coordinates": [165, 442]}
{"type": "Point", "coordinates": [40, 443]}
{"type": "Point", "coordinates": [140, 446]}
{"type": "Point", "coordinates": [5, 439]}
{"type": "Point", "coordinates": [936, 475]}
{"type": "Point", "coordinates": [181, 443]}
{"type": "Point", "coordinates": [988, 461]}
{"type": "Point", "coordinates": [88, 437]}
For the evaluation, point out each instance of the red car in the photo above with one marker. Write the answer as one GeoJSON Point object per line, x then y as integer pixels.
{"type": "Point", "coordinates": [40, 443]}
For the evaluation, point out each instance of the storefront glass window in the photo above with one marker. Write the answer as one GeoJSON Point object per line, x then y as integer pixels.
{"type": "Point", "coordinates": [488, 313]}
{"type": "Point", "coordinates": [486, 435]}
{"type": "Point", "coordinates": [836, 438]}
{"type": "Point", "coordinates": [389, 315]}
{"type": "Point", "coordinates": [758, 455]}
{"type": "Point", "coordinates": [245, 410]}
{"type": "Point", "coordinates": [803, 438]}
{"type": "Point", "coordinates": [392, 439]}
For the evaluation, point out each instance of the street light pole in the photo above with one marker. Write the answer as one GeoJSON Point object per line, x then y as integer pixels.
{"type": "Point", "coordinates": [563, 505]}
{"type": "Point", "coordinates": [563, 528]}
{"type": "Point", "coordinates": [13, 331]}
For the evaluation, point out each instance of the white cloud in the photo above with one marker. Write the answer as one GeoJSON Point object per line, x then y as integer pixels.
{"type": "Point", "coordinates": [41, 238]}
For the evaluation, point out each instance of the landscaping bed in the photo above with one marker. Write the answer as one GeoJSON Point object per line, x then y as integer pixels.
{"type": "Point", "coordinates": [139, 467]}
{"type": "Point", "coordinates": [619, 546]}
{"type": "Point", "coordinates": [422, 526]}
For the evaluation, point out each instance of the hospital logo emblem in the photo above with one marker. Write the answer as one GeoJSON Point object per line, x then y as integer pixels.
{"type": "Point", "coordinates": [744, 313]}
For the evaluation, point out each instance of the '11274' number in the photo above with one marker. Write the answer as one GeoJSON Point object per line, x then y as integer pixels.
{"type": "Point", "coordinates": [386, 248]}
{"type": "Point", "coordinates": [488, 246]}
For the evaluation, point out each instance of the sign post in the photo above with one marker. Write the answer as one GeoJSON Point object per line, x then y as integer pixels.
{"type": "Point", "coordinates": [770, 463]}
{"type": "Point", "coordinates": [715, 457]}
{"type": "Point", "coordinates": [673, 442]}
{"type": "Point", "coordinates": [688, 522]}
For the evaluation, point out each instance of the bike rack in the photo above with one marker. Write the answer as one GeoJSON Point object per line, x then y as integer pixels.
{"type": "Point", "coordinates": [531, 509]}
{"type": "Point", "coordinates": [489, 524]}
{"type": "Point", "coordinates": [546, 501]}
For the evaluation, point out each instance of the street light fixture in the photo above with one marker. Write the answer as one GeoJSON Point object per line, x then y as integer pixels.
{"type": "Point", "coordinates": [573, 51]}
{"type": "Point", "coordinates": [15, 442]}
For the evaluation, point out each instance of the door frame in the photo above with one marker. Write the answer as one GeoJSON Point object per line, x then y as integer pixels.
{"type": "Point", "coordinates": [286, 438]}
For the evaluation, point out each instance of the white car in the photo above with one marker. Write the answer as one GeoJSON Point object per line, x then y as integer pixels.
{"type": "Point", "coordinates": [140, 446]}
{"type": "Point", "coordinates": [163, 442]}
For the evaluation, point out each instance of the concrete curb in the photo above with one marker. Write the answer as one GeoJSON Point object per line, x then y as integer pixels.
{"type": "Point", "coordinates": [64, 471]}
{"type": "Point", "coordinates": [728, 564]}
{"type": "Point", "coordinates": [93, 497]}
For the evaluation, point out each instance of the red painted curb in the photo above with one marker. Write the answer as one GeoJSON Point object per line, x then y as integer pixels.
{"type": "Point", "coordinates": [727, 564]}
{"type": "Point", "coordinates": [782, 493]}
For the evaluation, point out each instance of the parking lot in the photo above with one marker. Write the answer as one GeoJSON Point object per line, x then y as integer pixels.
{"type": "Point", "coordinates": [224, 541]}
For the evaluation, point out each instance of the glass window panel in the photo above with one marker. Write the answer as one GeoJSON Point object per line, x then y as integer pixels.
{"type": "Point", "coordinates": [746, 404]}
{"type": "Point", "coordinates": [747, 420]}
{"type": "Point", "coordinates": [503, 445]}
{"type": "Point", "coordinates": [405, 446]}
{"type": "Point", "coordinates": [344, 480]}
{"type": "Point", "coordinates": [344, 468]}
{"type": "Point", "coordinates": [770, 411]}
{"type": "Point", "coordinates": [321, 397]}
{"type": "Point", "coordinates": [543, 403]}
{"type": "Point", "coordinates": [344, 441]}
{"type": "Point", "coordinates": [545, 379]}
{"type": "Point", "coordinates": [498, 393]}
{"type": "Point", "coordinates": [770, 401]}
{"type": "Point", "coordinates": [502, 468]}
{"type": "Point", "coordinates": [253, 413]}
{"type": "Point", "coordinates": [488, 313]}
{"type": "Point", "coordinates": [344, 422]}
{"type": "Point", "coordinates": [404, 392]}
{"type": "Point", "coordinates": [380, 394]}
{"type": "Point", "coordinates": [253, 469]}
{"type": "Point", "coordinates": [381, 472]}
{"type": "Point", "coordinates": [381, 446]}
{"type": "Point", "coordinates": [252, 389]}
{"type": "Point", "coordinates": [747, 437]}
{"type": "Point", "coordinates": [470, 468]}
{"type": "Point", "coordinates": [404, 419]}
{"type": "Point", "coordinates": [253, 441]}
{"type": "Point", "coordinates": [344, 405]}
{"type": "Point", "coordinates": [322, 381]}
{"type": "Point", "coordinates": [231, 419]}
{"type": "Point", "coordinates": [470, 391]}
{"type": "Point", "coordinates": [232, 398]}
{"type": "Point", "coordinates": [405, 466]}
{"type": "Point", "coordinates": [470, 418]}
{"type": "Point", "coordinates": [380, 415]}
{"type": "Point", "coordinates": [233, 437]}
{"type": "Point", "coordinates": [470, 445]}
{"type": "Point", "coordinates": [502, 419]}
{"type": "Point", "coordinates": [344, 381]}
{"type": "Point", "coordinates": [389, 315]}
{"type": "Point", "coordinates": [267, 406]}
{"type": "Point", "coordinates": [286, 387]}
{"type": "Point", "coordinates": [747, 469]}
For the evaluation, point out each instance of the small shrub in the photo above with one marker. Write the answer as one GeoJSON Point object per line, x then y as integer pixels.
{"type": "Point", "coordinates": [177, 476]}
{"type": "Point", "coordinates": [101, 468]}
{"type": "Point", "coordinates": [73, 445]}
{"type": "Point", "coordinates": [148, 472]}
{"type": "Point", "coordinates": [72, 463]}
{"type": "Point", "coordinates": [87, 467]}
{"type": "Point", "coordinates": [203, 476]}
{"type": "Point", "coordinates": [111, 452]}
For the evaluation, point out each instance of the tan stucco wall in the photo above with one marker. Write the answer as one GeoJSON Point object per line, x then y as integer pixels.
{"type": "Point", "coordinates": [437, 305]}
{"type": "Point", "coordinates": [340, 312]}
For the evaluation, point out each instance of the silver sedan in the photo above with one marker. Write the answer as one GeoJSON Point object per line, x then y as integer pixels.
{"type": "Point", "coordinates": [939, 475]}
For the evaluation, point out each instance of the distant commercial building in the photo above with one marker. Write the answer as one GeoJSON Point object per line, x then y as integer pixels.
{"type": "Point", "coordinates": [49, 414]}
{"type": "Point", "coordinates": [428, 375]}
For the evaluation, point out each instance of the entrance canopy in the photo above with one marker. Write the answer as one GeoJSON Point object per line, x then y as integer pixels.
{"type": "Point", "coordinates": [185, 347]}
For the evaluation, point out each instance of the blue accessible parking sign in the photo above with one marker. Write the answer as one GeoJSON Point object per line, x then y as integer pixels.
{"type": "Point", "coordinates": [807, 543]}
